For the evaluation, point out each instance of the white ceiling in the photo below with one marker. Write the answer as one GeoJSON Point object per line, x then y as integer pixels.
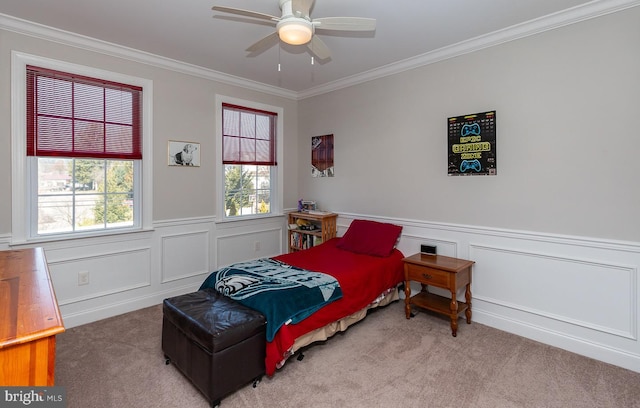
{"type": "Point", "coordinates": [407, 30]}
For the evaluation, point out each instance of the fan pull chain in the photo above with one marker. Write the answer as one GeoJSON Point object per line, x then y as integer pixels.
{"type": "Point", "coordinates": [312, 54]}
{"type": "Point", "coordinates": [279, 47]}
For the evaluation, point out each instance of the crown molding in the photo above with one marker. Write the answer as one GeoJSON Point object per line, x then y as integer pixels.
{"type": "Point", "coordinates": [36, 30]}
{"type": "Point", "coordinates": [563, 18]}
{"type": "Point", "coordinates": [593, 9]}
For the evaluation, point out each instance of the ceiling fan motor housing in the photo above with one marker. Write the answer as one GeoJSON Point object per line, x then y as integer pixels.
{"type": "Point", "coordinates": [295, 31]}
{"type": "Point", "coordinates": [292, 29]}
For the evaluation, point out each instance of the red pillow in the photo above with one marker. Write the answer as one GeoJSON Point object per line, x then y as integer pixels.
{"type": "Point", "coordinates": [370, 238]}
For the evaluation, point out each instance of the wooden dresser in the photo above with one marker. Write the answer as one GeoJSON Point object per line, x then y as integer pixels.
{"type": "Point", "coordinates": [29, 319]}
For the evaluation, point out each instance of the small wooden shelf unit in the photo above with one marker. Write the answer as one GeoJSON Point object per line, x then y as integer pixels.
{"type": "Point", "coordinates": [29, 319]}
{"type": "Point", "coordinates": [324, 228]}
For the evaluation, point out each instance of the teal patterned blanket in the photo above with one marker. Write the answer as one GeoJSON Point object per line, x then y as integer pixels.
{"type": "Point", "coordinates": [282, 293]}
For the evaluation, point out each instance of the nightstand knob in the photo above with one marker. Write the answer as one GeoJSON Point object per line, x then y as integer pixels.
{"type": "Point", "coordinates": [427, 276]}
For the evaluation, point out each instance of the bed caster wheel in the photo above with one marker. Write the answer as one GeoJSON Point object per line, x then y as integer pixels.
{"type": "Point", "coordinates": [215, 404]}
{"type": "Point", "coordinates": [167, 360]}
{"type": "Point", "coordinates": [256, 382]}
{"type": "Point", "coordinates": [300, 357]}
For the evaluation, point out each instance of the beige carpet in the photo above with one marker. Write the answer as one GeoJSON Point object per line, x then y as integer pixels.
{"type": "Point", "coordinates": [384, 361]}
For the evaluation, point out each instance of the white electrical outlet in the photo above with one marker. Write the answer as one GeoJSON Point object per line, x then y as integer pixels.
{"type": "Point", "coordinates": [83, 278]}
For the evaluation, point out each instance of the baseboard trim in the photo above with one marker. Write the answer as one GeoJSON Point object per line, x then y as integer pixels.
{"type": "Point", "coordinates": [543, 335]}
{"type": "Point", "coordinates": [114, 309]}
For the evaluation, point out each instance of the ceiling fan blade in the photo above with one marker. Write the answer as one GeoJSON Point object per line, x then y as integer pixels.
{"type": "Point", "coordinates": [302, 6]}
{"type": "Point", "coordinates": [246, 13]}
{"type": "Point", "coordinates": [345, 23]}
{"type": "Point", "coordinates": [263, 44]}
{"type": "Point", "coordinates": [319, 48]}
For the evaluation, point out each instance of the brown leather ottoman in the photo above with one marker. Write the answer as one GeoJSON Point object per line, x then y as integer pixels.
{"type": "Point", "coordinates": [216, 342]}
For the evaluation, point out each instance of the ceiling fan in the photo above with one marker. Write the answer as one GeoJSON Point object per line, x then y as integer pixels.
{"type": "Point", "coordinates": [296, 27]}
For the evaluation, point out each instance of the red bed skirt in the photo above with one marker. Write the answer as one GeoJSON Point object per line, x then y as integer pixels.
{"type": "Point", "coordinates": [362, 279]}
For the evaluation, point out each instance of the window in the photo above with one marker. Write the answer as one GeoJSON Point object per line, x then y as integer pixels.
{"type": "Point", "coordinates": [75, 195]}
{"type": "Point", "coordinates": [78, 151]}
{"type": "Point", "coordinates": [248, 141]}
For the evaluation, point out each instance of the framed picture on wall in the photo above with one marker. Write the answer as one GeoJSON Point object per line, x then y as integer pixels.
{"type": "Point", "coordinates": [184, 153]}
{"type": "Point", "coordinates": [322, 156]}
{"type": "Point", "coordinates": [472, 144]}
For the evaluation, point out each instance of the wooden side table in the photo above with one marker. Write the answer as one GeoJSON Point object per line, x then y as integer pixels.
{"type": "Point", "coordinates": [442, 272]}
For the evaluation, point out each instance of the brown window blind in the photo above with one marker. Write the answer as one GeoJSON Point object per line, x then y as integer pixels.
{"type": "Point", "coordinates": [76, 116]}
{"type": "Point", "coordinates": [248, 136]}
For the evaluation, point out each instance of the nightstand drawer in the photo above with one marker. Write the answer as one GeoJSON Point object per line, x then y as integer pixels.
{"type": "Point", "coordinates": [427, 276]}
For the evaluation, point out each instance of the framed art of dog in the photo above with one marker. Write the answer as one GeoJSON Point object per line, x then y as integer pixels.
{"type": "Point", "coordinates": [184, 153]}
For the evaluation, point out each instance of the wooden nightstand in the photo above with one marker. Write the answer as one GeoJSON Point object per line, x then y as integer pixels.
{"type": "Point", "coordinates": [442, 272]}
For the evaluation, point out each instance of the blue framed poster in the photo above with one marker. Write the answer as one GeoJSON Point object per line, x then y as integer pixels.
{"type": "Point", "coordinates": [472, 144]}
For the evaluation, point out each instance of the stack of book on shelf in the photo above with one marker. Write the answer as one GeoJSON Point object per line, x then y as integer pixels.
{"type": "Point", "coordinates": [301, 240]}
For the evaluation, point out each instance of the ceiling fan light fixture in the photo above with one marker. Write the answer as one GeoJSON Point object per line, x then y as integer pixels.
{"type": "Point", "coordinates": [295, 32]}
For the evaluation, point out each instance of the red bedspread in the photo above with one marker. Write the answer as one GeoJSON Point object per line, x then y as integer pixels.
{"type": "Point", "coordinates": [361, 277]}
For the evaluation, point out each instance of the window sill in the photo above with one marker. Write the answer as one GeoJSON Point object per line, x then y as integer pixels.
{"type": "Point", "coordinates": [106, 236]}
{"type": "Point", "coordinates": [267, 217]}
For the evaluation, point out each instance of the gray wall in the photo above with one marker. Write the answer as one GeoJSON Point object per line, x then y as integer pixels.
{"type": "Point", "coordinates": [566, 102]}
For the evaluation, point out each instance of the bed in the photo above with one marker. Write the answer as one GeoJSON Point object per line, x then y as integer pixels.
{"type": "Point", "coordinates": [359, 271]}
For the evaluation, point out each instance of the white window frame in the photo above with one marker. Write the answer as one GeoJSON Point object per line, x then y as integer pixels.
{"type": "Point", "coordinates": [276, 182]}
{"type": "Point", "coordinates": [22, 167]}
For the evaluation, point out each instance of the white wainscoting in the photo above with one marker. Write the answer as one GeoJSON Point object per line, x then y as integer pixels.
{"type": "Point", "coordinates": [120, 275]}
{"type": "Point", "coordinates": [5, 240]}
{"type": "Point", "coordinates": [576, 293]}
{"type": "Point", "coordinates": [184, 255]}
{"type": "Point", "coordinates": [566, 289]}
{"type": "Point", "coordinates": [132, 271]}
{"type": "Point", "coordinates": [108, 273]}
{"type": "Point", "coordinates": [241, 243]}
